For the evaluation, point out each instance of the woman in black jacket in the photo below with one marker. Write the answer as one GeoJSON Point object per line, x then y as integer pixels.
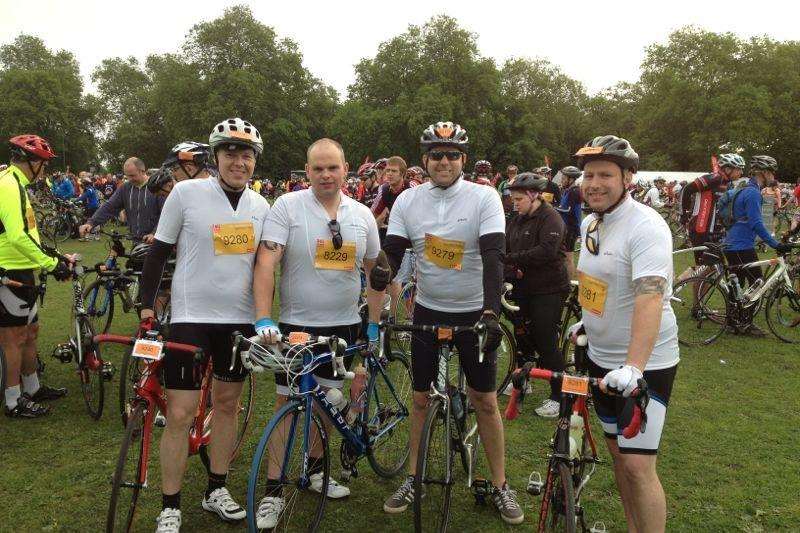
{"type": "Point", "coordinates": [536, 261]}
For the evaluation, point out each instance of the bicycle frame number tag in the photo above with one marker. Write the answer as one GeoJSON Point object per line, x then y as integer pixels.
{"type": "Point", "coordinates": [575, 385]}
{"type": "Point", "coordinates": [298, 337]}
{"type": "Point", "coordinates": [444, 334]}
{"type": "Point", "coordinates": [148, 349]}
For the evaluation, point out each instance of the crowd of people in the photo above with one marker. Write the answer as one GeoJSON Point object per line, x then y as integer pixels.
{"type": "Point", "coordinates": [204, 207]}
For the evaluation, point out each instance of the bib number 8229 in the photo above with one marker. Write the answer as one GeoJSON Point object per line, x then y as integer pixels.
{"type": "Point", "coordinates": [335, 255]}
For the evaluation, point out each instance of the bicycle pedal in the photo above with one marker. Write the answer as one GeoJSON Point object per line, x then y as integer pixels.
{"type": "Point", "coordinates": [481, 489]}
{"type": "Point", "coordinates": [108, 371]}
{"type": "Point", "coordinates": [535, 484]}
{"type": "Point", "coordinates": [598, 527]}
{"type": "Point", "coordinates": [160, 421]}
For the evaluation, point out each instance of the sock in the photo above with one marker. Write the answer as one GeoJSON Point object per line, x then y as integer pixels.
{"type": "Point", "coordinates": [274, 488]}
{"type": "Point", "coordinates": [30, 383]}
{"type": "Point", "coordinates": [171, 501]}
{"type": "Point", "coordinates": [215, 481]}
{"type": "Point", "coordinates": [12, 395]}
{"type": "Point", "coordinates": [315, 465]}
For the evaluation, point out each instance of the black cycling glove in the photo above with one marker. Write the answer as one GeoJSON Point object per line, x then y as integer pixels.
{"type": "Point", "coordinates": [62, 271]}
{"type": "Point", "coordinates": [381, 273]}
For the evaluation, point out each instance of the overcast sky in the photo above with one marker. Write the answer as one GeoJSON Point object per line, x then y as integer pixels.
{"type": "Point", "coordinates": [596, 42]}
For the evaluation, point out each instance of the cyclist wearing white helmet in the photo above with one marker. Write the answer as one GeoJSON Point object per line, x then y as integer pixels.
{"type": "Point", "coordinates": [186, 160]}
{"type": "Point", "coordinates": [625, 275]}
{"type": "Point", "coordinates": [216, 224]}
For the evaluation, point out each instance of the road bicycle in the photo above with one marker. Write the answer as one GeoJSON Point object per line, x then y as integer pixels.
{"type": "Point", "coordinates": [281, 466]}
{"type": "Point", "coordinates": [81, 349]}
{"type": "Point", "coordinates": [573, 458]}
{"type": "Point", "coordinates": [130, 474]}
{"type": "Point", "coordinates": [712, 302]}
{"type": "Point", "coordinates": [62, 223]}
{"type": "Point", "coordinates": [450, 428]}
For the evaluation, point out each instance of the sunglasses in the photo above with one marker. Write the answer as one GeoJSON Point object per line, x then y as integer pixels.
{"type": "Point", "coordinates": [593, 236]}
{"type": "Point", "coordinates": [336, 234]}
{"type": "Point", "coordinates": [452, 155]}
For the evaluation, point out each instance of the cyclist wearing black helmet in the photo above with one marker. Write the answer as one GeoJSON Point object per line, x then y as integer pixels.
{"type": "Point", "coordinates": [186, 160]}
{"type": "Point", "coordinates": [535, 264]}
{"type": "Point", "coordinates": [461, 288]}
{"type": "Point", "coordinates": [552, 194]}
{"type": "Point", "coordinates": [570, 209]}
{"type": "Point", "coordinates": [625, 275]}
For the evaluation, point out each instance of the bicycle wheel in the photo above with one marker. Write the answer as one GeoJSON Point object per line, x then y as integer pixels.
{"type": "Point", "coordinates": [245, 410]}
{"type": "Point", "coordinates": [403, 314]}
{"type": "Point", "coordinates": [2, 370]}
{"type": "Point", "coordinates": [783, 312]}
{"type": "Point", "coordinates": [62, 229]}
{"type": "Point", "coordinates": [506, 359]}
{"type": "Point", "coordinates": [433, 482]}
{"type": "Point", "coordinates": [90, 368]}
{"type": "Point", "coordinates": [278, 471]}
{"type": "Point", "coordinates": [129, 476]}
{"type": "Point", "coordinates": [388, 405]}
{"type": "Point", "coordinates": [558, 504]}
{"type": "Point", "coordinates": [98, 300]}
{"type": "Point", "coordinates": [700, 306]}
{"type": "Point", "coordinates": [471, 446]}
{"type": "Point", "coordinates": [130, 373]}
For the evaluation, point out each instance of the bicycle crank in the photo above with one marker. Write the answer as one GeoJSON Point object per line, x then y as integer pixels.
{"type": "Point", "coordinates": [65, 352]}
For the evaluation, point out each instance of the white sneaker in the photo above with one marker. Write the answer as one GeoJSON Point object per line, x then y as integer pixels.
{"type": "Point", "coordinates": [548, 409]}
{"type": "Point", "coordinates": [510, 387]}
{"type": "Point", "coordinates": [221, 502]}
{"type": "Point", "coordinates": [335, 491]}
{"type": "Point", "coordinates": [169, 521]}
{"type": "Point", "coordinates": [269, 510]}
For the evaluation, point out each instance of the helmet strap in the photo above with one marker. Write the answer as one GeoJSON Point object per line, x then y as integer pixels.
{"type": "Point", "coordinates": [601, 214]}
{"type": "Point", "coordinates": [191, 175]}
{"type": "Point", "coordinates": [34, 173]}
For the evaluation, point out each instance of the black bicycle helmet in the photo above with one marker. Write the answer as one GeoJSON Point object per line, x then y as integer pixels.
{"type": "Point", "coordinates": [571, 172]}
{"type": "Point", "coordinates": [528, 181]}
{"type": "Point", "coordinates": [444, 134]}
{"type": "Point", "coordinates": [763, 162]}
{"type": "Point", "coordinates": [609, 148]}
{"type": "Point", "coordinates": [161, 177]}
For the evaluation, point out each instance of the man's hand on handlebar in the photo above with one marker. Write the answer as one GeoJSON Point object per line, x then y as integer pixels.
{"type": "Point", "coordinates": [267, 330]}
{"type": "Point", "coordinates": [493, 332]}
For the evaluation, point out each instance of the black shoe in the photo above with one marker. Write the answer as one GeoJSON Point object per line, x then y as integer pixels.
{"type": "Point", "coordinates": [48, 393]}
{"type": "Point", "coordinates": [27, 408]}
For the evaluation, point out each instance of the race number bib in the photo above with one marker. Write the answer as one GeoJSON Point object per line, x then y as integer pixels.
{"type": "Point", "coordinates": [444, 253]}
{"type": "Point", "coordinates": [329, 258]}
{"type": "Point", "coordinates": [592, 294]}
{"type": "Point", "coordinates": [147, 349]}
{"type": "Point", "coordinates": [233, 238]}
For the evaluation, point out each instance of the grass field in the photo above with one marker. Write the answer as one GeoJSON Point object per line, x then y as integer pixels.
{"type": "Point", "coordinates": [727, 461]}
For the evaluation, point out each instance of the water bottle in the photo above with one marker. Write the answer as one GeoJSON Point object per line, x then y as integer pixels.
{"type": "Point", "coordinates": [751, 290]}
{"type": "Point", "coordinates": [456, 404]}
{"type": "Point", "coordinates": [575, 435]}
{"type": "Point", "coordinates": [737, 288]}
{"type": "Point", "coordinates": [337, 399]}
{"type": "Point", "coordinates": [357, 393]}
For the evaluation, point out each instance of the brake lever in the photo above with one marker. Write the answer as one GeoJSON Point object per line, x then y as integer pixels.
{"type": "Point", "coordinates": [237, 338]}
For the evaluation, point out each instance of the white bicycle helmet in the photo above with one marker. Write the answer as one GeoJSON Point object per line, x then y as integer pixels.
{"type": "Point", "coordinates": [237, 132]}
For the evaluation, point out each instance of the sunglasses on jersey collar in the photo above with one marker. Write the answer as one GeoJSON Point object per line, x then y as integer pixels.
{"type": "Point", "coordinates": [451, 155]}
{"type": "Point", "coordinates": [336, 234]}
{"type": "Point", "coordinates": [593, 236]}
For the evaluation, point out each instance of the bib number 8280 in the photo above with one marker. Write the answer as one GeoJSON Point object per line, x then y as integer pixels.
{"type": "Point", "coordinates": [235, 239]}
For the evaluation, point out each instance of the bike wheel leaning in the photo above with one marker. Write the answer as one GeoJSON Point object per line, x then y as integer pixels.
{"type": "Point", "coordinates": [388, 407]}
{"type": "Point", "coordinates": [433, 481]}
{"type": "Point", "coordinates": [98, 300]}
{"type": "Point", "coordinates": [403, 314]}
{"type": "Point", "coordinates": [130, 373]}
{"type": "Point", "coordinates": [700, 306]}
{"type": "Point", "coordinates": [90, 368]}
{"type": "Point", "coordinates": [783, 312]}
{"type": "Point", "coordinates": [128, 477]}
{"type": "Point", "coordinates": [506, 359]}
{"type": "Point", "coordinates": [277, 472]}
{"type": "Point", "coordinates": [558, 502]}
{"type": "Point", "coordinates": [244, 411]}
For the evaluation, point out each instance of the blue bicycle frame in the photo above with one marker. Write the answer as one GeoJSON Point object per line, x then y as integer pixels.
{"type": "Point", "coordinates": [91, 308]}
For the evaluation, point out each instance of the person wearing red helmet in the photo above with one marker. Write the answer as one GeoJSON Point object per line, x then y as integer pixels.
{"type": "Point", "coordinates": [21, 255]}
{"type": "Point", "coordinates": [368, 188]}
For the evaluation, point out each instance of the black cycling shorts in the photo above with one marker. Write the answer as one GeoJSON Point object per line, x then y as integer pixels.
{"type": "Point", "coordinates": [18, 306]}
{"type": "Point", "coordinates": [180, 370]}
{"type": "Point", "coordinates": [609, 408]}
{"type": "Point", "coordinates": [323, 373]}
{"type": "Point", "coordinates": [424, 356]}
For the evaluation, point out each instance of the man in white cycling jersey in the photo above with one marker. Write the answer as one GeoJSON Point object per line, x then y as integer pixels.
{"type": "Point", "coordinates": [321, 239]}
{"type": "Point", "coordinates": [625, 275]}
{"type": "Point", "coordinates": [216, 224]}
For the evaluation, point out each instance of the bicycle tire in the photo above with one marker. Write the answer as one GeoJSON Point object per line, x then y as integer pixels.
{"type": "Point", "coordinates": [128, 473]}
{"type": "Point", "coordinates": [558, 502]}
{"type": "Point", "coordinates": [245, 409]}
{"type": "Point", "coordinates": [380, 414]}
{"type": "Point", "coordinates": [506, 359]}
{"type": "Point", "coordinates": [307, 506]}
{"type": "Point", "coordinates": [96, 291]}
{"type": "Point", "coordinates": [2, 370]}
{"type": "Point", "coordinates": [130, 372]}
{"type": "Point", "coordinates": [435, 443]}
{"type": "Point", "coordinates": [700, 323]}
{"type": "Point", "coordinates": [403, 314]}
{"type": "Point", "coordinates": [783, 309]}
{"type": "Point", "coordinates": [90, 369]}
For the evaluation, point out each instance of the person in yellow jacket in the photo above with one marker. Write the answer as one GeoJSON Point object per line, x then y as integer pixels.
{"type": "Point", "coordinates": [21, 255]}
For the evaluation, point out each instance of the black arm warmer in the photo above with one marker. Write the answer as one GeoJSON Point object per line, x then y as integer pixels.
{"type": "Point", "coordinates": [493, 247]}
{"type": "Point", "coordinates": [152, 271]}
{"type": "Point", "coordinates": [395, 247]}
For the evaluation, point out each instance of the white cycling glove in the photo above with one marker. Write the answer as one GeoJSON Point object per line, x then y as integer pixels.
{"type": "Point", "coordinates": [623, 380]}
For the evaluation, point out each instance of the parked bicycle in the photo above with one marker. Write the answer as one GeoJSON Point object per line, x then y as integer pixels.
{"type": "Point", "coordinates": [279, 495]}
{"type": "Point", "coordinates": [574, 457]}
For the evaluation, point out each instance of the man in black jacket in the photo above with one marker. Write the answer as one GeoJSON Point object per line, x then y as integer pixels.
{"type": "Point", "coordinates": [536, 261]}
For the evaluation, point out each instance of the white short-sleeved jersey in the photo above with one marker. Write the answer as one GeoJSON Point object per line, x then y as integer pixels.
{"type": "Point", "coordinates": [634, 242]}
{"type": "Point", "coordinates": [310, 295]}
{"type": "Point", "coordinates": [653, 198]}
{"type": "Point", "coordinates": [444, 226]}
{"type": "Point", "coordinates": [213, 282]}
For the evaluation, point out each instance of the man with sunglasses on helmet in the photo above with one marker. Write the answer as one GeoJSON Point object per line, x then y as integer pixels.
{"type": "Point", "coordinates": [321, 239]}
{"type": "Point", "coordinates": [625, 275]}
{"type": "Point", "coordinates": [21, 256]}
{"type": "Point", "coordinates": [216, 224]}
{"type": "Point", "coordinates": [459, 288]}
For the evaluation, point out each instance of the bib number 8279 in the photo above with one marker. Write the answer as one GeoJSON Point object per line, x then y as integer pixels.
{"type": "Point", "coordinates": [444, 254]}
